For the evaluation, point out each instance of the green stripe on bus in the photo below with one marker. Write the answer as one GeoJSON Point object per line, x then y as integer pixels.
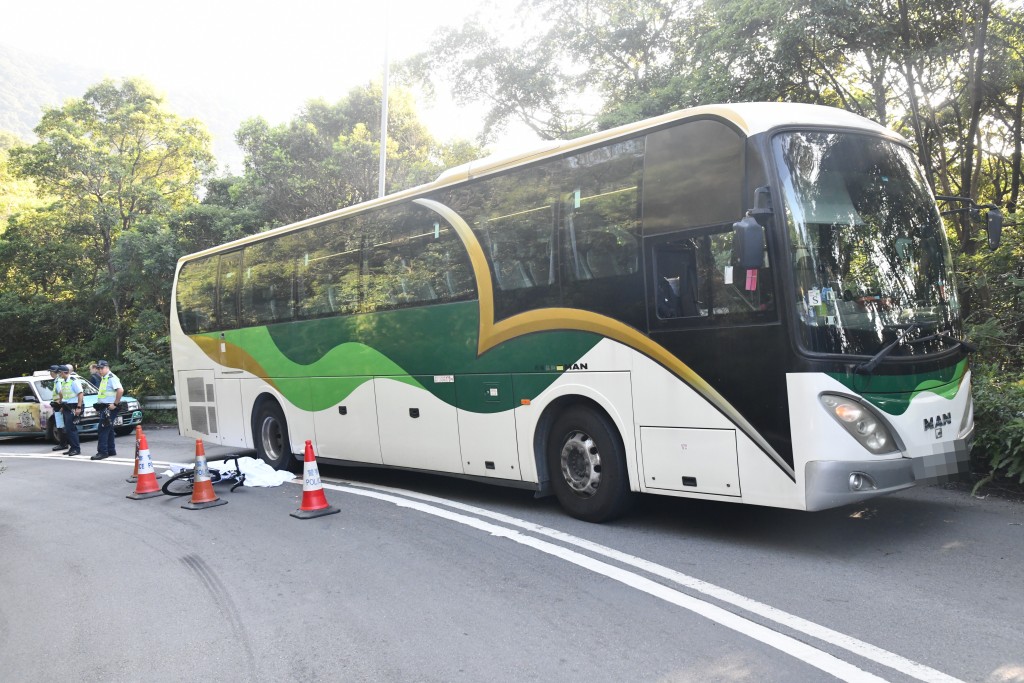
{"type": "Point", "coordinates": [441, 340]}
{"type": "Point", "coordinates": [893, 393]}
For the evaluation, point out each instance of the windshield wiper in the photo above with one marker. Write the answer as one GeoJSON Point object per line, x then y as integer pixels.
{"type": "Point", "coordinates": [947, 337]}
{"type": "Point", "coordinates": [869, 366]}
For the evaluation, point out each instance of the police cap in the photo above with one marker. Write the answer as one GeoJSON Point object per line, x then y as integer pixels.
{"type": "Point", "coordinates": [102, 364]}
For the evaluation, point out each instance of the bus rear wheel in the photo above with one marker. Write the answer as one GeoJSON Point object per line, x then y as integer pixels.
{"type": "Point", "coordinates": [270, 434]}
{"type": "Point", "coordinates": [587, 465]}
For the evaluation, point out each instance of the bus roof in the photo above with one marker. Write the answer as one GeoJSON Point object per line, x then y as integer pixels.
{"type": "Point", "coordinates": [749, 117]}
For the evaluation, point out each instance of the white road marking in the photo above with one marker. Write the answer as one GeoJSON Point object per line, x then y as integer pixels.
{"type": "Point", "coordinates": [817, 658]}
{"type": "Point", "coordinates": [799, 624]}
{"type": "Point", "coordinates": [813, 656]}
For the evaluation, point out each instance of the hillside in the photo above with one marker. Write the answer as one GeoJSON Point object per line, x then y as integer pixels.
{"type": "Point", "coordinates": [30, 82]}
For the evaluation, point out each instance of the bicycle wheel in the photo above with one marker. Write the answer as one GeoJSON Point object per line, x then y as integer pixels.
{"type": "Point", "coordinates": [179, 485]}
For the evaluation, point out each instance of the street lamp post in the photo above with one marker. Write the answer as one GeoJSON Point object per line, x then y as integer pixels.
{"type": "Point", "coordinates": [383, 113]}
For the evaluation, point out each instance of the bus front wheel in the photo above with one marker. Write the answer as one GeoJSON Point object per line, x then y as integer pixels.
{"type": "Point", "coordinates": [587, 465]}
{"type": "Point", "coordinates": [270, 433]}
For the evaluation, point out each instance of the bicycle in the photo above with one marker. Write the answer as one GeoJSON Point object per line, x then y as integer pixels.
{"type": "Point", "coordinates": [181, 483]}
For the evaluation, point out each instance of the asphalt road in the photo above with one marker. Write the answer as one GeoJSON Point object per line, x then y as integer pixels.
{"type": "Point", "coordinates": [424, 578]}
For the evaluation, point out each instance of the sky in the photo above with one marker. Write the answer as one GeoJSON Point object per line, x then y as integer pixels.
{"type": "Point", "coordinates": [266, 58]}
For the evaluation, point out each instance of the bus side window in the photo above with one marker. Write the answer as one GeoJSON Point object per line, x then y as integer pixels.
{"type": "Point", "coordinates": [227, 290]}
{"type": "Point", "coordinates": [197, 288]}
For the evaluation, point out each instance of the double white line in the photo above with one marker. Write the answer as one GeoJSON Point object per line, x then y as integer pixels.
{"type": "Point", "coordinates": [513, 529]}
{"type": "Point", "coordinates": [841, 669]}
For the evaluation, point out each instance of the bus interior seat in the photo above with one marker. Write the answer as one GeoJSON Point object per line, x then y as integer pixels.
{"type": "Point", "coordinates": [509, 270]}
{"type": "Point", "coordinates": [416, 291]}
{"type": "Point", "coordinates": [601, 256]}
{"type": "Point", "coordinates": [602, 263]}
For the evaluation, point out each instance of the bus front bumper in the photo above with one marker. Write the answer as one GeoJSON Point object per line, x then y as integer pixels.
{"type": "Point", "coordinates": [832, 483]}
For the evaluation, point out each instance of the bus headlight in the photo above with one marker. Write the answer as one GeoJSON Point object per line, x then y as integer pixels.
{"type": "Point", "coordinates": [860, 422]}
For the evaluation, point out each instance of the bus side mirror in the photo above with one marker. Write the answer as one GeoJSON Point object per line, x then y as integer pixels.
{"type": "Point", "coordinates": [994, 226]}
{"type": "Point", "coordinates": [748, 242]}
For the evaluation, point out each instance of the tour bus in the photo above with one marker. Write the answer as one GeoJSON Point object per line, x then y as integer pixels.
{"type": "Point", "coordinates": [750, 303]}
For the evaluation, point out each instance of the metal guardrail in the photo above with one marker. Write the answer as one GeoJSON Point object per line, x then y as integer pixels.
{"type": "Point", "coordinates": [159, 402]}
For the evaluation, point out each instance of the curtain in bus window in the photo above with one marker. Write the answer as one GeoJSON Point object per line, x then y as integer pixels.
{"type": "Point", "coordinates": [227, 290]}
{"type": "Point", "coordinates": [197, 290]}
{"type": "Point", "coordinates": [330, 272]}
{"type": "Point", "coordinates": [513, 217]}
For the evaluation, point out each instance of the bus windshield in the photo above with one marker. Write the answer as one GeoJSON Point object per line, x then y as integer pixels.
{"type": "Point", "coordinates": [870, 258]}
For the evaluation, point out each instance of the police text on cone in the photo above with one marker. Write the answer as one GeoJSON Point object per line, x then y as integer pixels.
{"type": "Point", "coordinates": [314, 503]}
{"type": "Point", "coordinates": [203, 495]}
{"type": "Point", "coordinates": [145, 485]}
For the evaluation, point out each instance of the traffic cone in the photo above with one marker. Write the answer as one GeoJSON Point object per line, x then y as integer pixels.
{"type": "Point", "coordinates": [314, 504]}
{"type": "Point", "coordinates": [135, 472]}
{"type": "Point", "coordinates": [202, 488]}
{"type": "Point", "coordinates": [146, 486]}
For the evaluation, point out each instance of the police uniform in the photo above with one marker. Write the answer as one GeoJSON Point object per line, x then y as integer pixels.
{"type": "Point", "coordinates": [107, 403]}
{"type": "Point", "coordinates": [58, 414]}
{"type": "Point", "coordinates": [71, 400]}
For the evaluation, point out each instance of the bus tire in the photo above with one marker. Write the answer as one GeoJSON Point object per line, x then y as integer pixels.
{"type": "Point", "coordinates": [587, 465]}
{"type": "Point", "coordinates": [270, 436]}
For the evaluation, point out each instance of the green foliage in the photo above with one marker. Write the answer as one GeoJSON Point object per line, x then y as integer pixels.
{"type": "Point", "coordinates": [148, 370]}
{"type": "Point", "coordinates": [994, 283]}
{"type": "Point", "coordinates": [327, 157]}
{"type": "Point", "coordinates": [999, 425]}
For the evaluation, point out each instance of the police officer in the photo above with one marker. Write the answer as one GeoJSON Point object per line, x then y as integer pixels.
{"type": "Point", "coordinates": [72, 399]}
{"type": "Point", "coordinates": [58, 413]}
{"type": "Point", "coordinates": [107, 403]}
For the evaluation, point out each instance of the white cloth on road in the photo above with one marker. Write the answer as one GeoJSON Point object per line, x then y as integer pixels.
{"type": "Point", "coordinates": [257, 472]}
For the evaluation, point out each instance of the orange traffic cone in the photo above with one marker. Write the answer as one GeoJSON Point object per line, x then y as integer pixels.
{"type": "Point", "coordinates": [202, 488]}
{"type": "Point", "coordinates": [135, 472]}
{"type": "Point", "coordinates": [314, 504]}
{"type": "Point", "coordinates": [146, 486]}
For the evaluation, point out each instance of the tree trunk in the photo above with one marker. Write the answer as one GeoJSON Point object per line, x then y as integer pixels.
{"type": "Point", "coordinates": [1015, 170]}
{"type": "Point", "coordinates": [975, 95]}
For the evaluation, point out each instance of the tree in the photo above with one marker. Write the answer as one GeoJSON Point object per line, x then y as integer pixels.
{"type": "Point", "coordinates": [15, 194]}
{"type": "Point", "coordinates": [115, 160]}
{"type": "Point", "coordinates": [327, 157]}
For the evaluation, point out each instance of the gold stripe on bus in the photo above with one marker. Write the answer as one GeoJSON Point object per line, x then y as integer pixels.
{"type": "Point", "coordinates": [551, 319]}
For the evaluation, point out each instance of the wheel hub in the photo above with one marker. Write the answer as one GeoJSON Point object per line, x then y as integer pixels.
{"type": "Point", "coordinates": [581, 464]}
{"type": "Point", "coordinates": [270, 434]}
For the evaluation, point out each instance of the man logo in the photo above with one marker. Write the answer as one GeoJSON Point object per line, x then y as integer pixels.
{"type": "Point", "coordinates": [938, 421]}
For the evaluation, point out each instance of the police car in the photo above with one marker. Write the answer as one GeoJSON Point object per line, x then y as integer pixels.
{"type": "Point", "coordinates": [25, 408]}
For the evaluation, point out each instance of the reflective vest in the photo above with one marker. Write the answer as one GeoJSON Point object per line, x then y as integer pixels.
{"type": "Point", "coordinates": [58, 388]}
{"type": "Point", "coordinates": [104, 393]}
{"type": "Point", "coordinates": [67, 391]}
